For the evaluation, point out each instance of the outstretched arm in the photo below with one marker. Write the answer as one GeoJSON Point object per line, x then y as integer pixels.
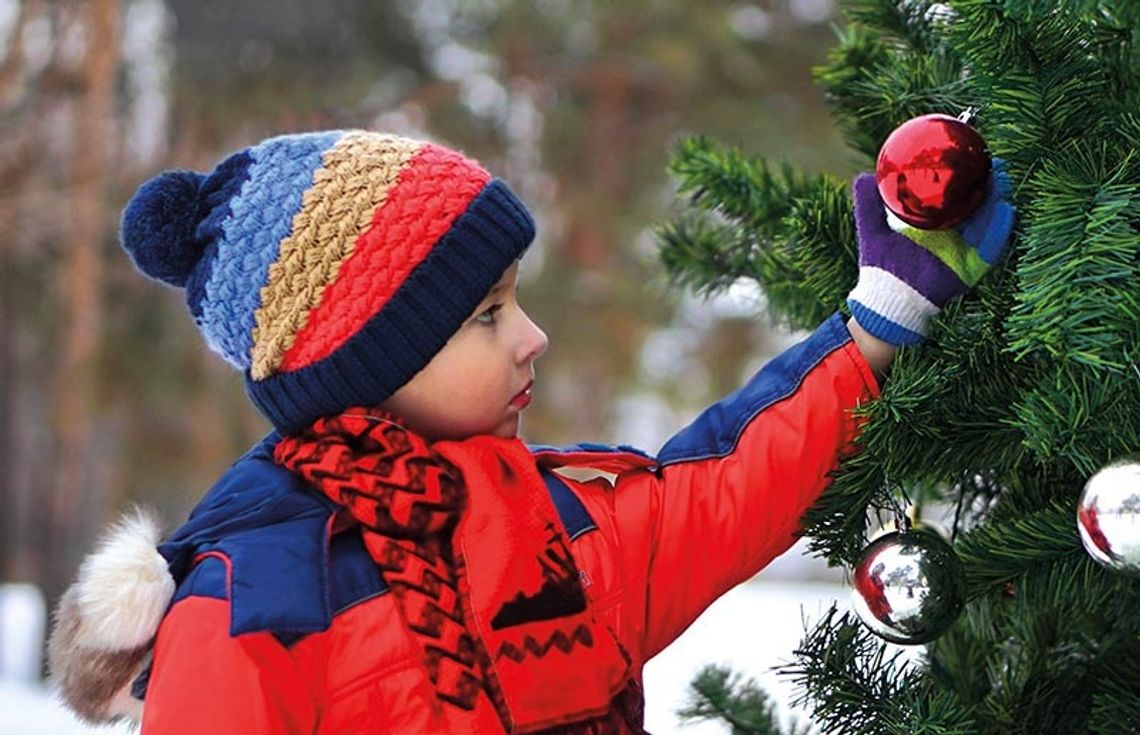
{"type": "Point", "coordinates": [731, 488]}
{"type": "Point", "coordinates": [879, 354]}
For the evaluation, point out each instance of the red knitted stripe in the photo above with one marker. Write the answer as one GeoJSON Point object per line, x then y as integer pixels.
{"type": "Point", "coordinates": [433, 190]}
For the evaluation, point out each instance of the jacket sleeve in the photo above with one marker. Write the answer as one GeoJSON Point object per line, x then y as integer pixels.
{"type": "Point", "coordinates": [203, 680]}
{"type": "Point", "coordinates": [732, 487]}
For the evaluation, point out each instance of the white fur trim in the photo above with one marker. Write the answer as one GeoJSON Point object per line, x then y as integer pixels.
{"type": "Point", "coordinates": [124, 587]}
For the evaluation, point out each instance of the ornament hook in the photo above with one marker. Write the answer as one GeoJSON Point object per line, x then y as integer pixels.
{"type": "Point", "coordinates": [898, 503]}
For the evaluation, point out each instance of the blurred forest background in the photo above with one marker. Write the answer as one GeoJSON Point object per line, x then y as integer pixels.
{"type": "Point", "coordinates": [108, 396]}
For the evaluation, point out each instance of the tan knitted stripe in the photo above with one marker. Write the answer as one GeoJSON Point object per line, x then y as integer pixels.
{"type": "Point", "coordinates": [354, 180]}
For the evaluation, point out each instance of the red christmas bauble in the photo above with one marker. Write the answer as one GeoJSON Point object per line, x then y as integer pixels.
{"type": "Point", "coordinates": [933, 171]}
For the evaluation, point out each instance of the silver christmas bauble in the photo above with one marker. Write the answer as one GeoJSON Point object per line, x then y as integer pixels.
{"type": "Point", "coordinates": [909, 586]}
{"type": "Point", "coordinates": [1108, 516]}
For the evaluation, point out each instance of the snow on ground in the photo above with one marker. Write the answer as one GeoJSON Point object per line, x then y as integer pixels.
{"type": "Point", "coordinates": [27, 709]}
{"type": "Point", "coordinates": [752, 628]}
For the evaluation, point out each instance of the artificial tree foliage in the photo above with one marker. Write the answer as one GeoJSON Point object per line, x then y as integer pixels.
{"type": "Point", "coordinates": [1024, 389]}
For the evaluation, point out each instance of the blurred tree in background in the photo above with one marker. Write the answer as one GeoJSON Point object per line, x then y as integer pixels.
{"type": "Point", "coordinates": [107, 393]}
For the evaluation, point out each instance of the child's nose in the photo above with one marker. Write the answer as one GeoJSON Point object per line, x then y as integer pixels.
{"type": "Point", "coordinates": [534, 341]}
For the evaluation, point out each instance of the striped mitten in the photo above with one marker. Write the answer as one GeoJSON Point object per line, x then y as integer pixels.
{"type": "Point", "coordinates": [906, 275]}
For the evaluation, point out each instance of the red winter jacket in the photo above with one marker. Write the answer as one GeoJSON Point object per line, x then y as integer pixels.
{"type": "Point", "coordinates": [281, 624]}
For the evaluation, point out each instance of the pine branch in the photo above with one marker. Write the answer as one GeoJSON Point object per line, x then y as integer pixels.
{"type": "Point", "coordinates": [705, 256]}
{"type": "Point", "coordinates": [1116, 702]}
{"type": "Point", "coordinates": [1053, 634]}
{"type": "Point", "coordinates": [844, 672]}
{"type": "Point", "coordinates": [908, 25]}
{"type": "Point", "coordinates": [1079, 418]}
{"type": "Point", "coordinates": [1031, 64]}
{"type": "Point", "coordinates": [855, 687]}
{"type": "Point", "coordinates": [997, 553]}
{"type": "Point", "coordinates": [824, 251]}
{"type": "Point", "coordinates": [855, 104]}
{"type": "Point", "coordinates": [873, 82]}
{"type": "Point", "coordinates": [789, 232]}
{"type": "Point", "coordinates": [738, 206]}
{"type": "Point", "coordinates": [960, 660]}
{"type": "Point", "coordinates": [743, 189]}
{"type": "Point", "coordinates": [718, 694]}
{"type": "Point", "coordinates": [1078, 269]}
{"type": "Point", "coordinates": [949, 401]}
{"type": "Point", "coordinates": [1032, 654]}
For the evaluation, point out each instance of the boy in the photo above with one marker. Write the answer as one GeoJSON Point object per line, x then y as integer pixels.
{"type": "Point", "coordinates": [392, 558]}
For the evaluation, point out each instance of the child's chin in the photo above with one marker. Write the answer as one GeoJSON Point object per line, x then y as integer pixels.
{"type": "Point", "coordinates": [508, 429]}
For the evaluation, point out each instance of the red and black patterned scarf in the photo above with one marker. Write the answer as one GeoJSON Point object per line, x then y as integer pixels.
{"type": "Point", "coordinates": [480, 568]}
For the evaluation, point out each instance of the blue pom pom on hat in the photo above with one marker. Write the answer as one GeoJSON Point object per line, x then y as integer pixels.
{"type": "Point", "coordinates": [159, 224]}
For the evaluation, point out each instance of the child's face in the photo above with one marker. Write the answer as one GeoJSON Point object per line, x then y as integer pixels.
{"type": "Point", "coordinates": [481, 380]}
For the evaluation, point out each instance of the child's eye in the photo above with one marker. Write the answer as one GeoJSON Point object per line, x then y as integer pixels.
{"type": "Point", "coordinates": [487, 316]}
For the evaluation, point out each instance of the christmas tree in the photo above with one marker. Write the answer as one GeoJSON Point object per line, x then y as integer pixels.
{"type": "Point", "coordinates": [1024, 390]}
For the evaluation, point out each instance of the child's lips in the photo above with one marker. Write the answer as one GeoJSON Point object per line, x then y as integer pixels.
{"type": "Point", "coordinates": [523, 398]}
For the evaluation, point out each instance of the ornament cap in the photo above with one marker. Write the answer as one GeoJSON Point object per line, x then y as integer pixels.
{"type": "Point", "coordinates": [967, 115]}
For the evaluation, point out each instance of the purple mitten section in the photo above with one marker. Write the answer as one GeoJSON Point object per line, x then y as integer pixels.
{"type": "Point", "coordinates": [882, 247]}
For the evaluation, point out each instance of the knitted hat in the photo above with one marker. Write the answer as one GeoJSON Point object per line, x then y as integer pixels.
{"type": "Point", "coordinates": [330, 266]}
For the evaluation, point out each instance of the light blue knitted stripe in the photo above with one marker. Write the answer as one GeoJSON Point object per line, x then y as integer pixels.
{"type": "Point", "coordinates": [261, 216]}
